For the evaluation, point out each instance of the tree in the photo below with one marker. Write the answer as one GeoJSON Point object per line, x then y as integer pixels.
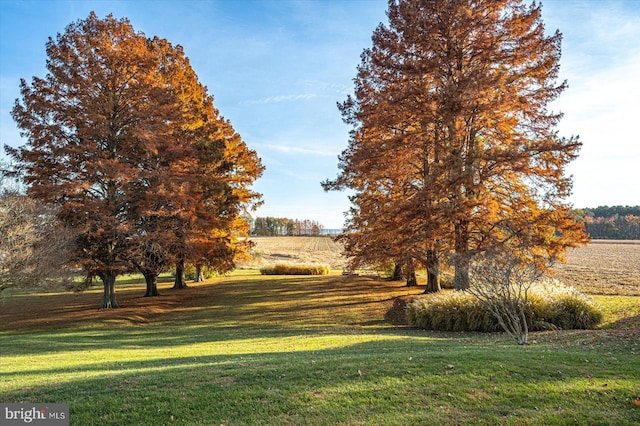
{"type": "Point", "coordinates": [35, 249]}
{"type": "Point", "coordinates": [451, 126]}
{"type": "Point", "coordinates": [280, 226]}
{"type": "Point", "coordinates": [88, 122]}
{"type": "Point", "coordinates": [214, 232]}
{"type": "Point", "coordinates": [191, 200]}
{"type": "Point", "coordinates": [615, 222]}
{"type": "Point", "coordinates": [158, 196]}
{"type": "Point", "coordinates": [119, 135]}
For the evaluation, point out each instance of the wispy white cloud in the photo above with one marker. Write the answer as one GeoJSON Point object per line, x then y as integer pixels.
{"type": "Point", "coordinates": [330, 87]}
{"type": "Point", "coordinates": [296, 150]}
{"type": "Point", "coordinates": [280, 98]}
{"type": "Point", "coordinates": [319, 90]}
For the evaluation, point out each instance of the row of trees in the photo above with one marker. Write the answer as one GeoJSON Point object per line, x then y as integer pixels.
{"type": "Point", "coordinates": [280, 226]}
{"type": "Point", "coordinates": [125, 145]}
{"type": "Point", "coordinates": [616, 222]}
{"type": "Point", "coordinates": [453, 150]}
{"type": "Point", "coordinates": [609, 211]}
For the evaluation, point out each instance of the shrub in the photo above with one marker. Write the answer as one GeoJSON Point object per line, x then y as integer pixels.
{"type": "Point", "coordinates": [501, 283]}
{"type": "Point", "coordinates": [290, 269]}
{"type": "Point", "coordinates": [550, 305]}
{"type": "Point", "coordinates": [450, 311]}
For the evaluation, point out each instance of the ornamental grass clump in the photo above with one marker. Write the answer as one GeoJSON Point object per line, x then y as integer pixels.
{"type": "Point", "coordinates": [559, 306]}
{"type": "Point", "coordinates": [450, 311]}
{"type": "Point", "coordinates": [290, 269]}
{"type": "Point", "coordinates": [550, 305]}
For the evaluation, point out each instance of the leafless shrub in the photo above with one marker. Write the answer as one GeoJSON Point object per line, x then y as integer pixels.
{"type": "Point", "coordinates": [34, 248]}
{"type": "Point", "coordinates": [501, 281]}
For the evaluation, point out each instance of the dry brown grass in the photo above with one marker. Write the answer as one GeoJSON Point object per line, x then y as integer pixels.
{"type": "Point", "coordinates": [603, 267]}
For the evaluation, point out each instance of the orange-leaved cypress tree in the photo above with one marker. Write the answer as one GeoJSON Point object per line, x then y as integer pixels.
{"type": "Point", "coordinates": [113, 138]}
{"type": "Point", "coordinates": [450, 111]}
{"type": "Point", "coordinates": [98, 111]}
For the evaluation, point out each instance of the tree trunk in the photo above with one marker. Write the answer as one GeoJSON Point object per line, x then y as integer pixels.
{"type": "Point", "coordinates": [152, 284]}
{"type": "Point", "coordinates": [411, 274]}
{"type": "Point", "coordinates": [461, 260]}
{"type": "Point", "coordinates": [199, 274]}
{"type": "Point", "coordinates": [180, 281]}
{"type": "Point", "coordinates": [433, 269]}
{"type": "Point", "coordinates": [109, 297]}
{"type": "Point", "coordinates": [397, 272]}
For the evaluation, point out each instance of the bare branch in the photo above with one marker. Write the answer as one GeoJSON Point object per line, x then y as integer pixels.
{"type": "Point", "coordinates": [501, 281]}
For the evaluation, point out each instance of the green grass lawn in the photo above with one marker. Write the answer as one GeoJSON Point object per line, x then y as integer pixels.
{"type": "Point", "coordinates": [275, 350]}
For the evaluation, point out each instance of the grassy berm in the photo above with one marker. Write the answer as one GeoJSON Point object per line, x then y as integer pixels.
{"type": "Point", "coordinates": [274, 350]}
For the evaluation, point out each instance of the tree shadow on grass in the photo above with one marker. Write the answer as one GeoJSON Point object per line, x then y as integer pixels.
{"type": "Point", "coordinates": [403, 370]}
{"type": "Point", "coordinates": [279, 301]}
{"type": "Point", "coordinates": [629, 323]}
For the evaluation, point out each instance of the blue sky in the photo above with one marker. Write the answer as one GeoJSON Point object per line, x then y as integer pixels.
{"type": "Point", "coordinates": [277, 69]}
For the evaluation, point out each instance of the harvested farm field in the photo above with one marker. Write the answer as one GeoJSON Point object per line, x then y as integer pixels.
{"type": "Point", "coordinates": [603, 267]}
{"type": "Point", "coordinates": [322, 250]}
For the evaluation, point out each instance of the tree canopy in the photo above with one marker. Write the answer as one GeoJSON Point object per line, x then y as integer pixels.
{"type": "Point", "coordinates": [125, 141]}
{"type": "Point", "coordinates": [453, 147]}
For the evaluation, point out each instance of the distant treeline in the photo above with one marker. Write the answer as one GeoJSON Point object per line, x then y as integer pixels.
{"type": "Point", "coordinates": [282, 226]}
{"type": "Point", "coordinates": [611, 223]}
